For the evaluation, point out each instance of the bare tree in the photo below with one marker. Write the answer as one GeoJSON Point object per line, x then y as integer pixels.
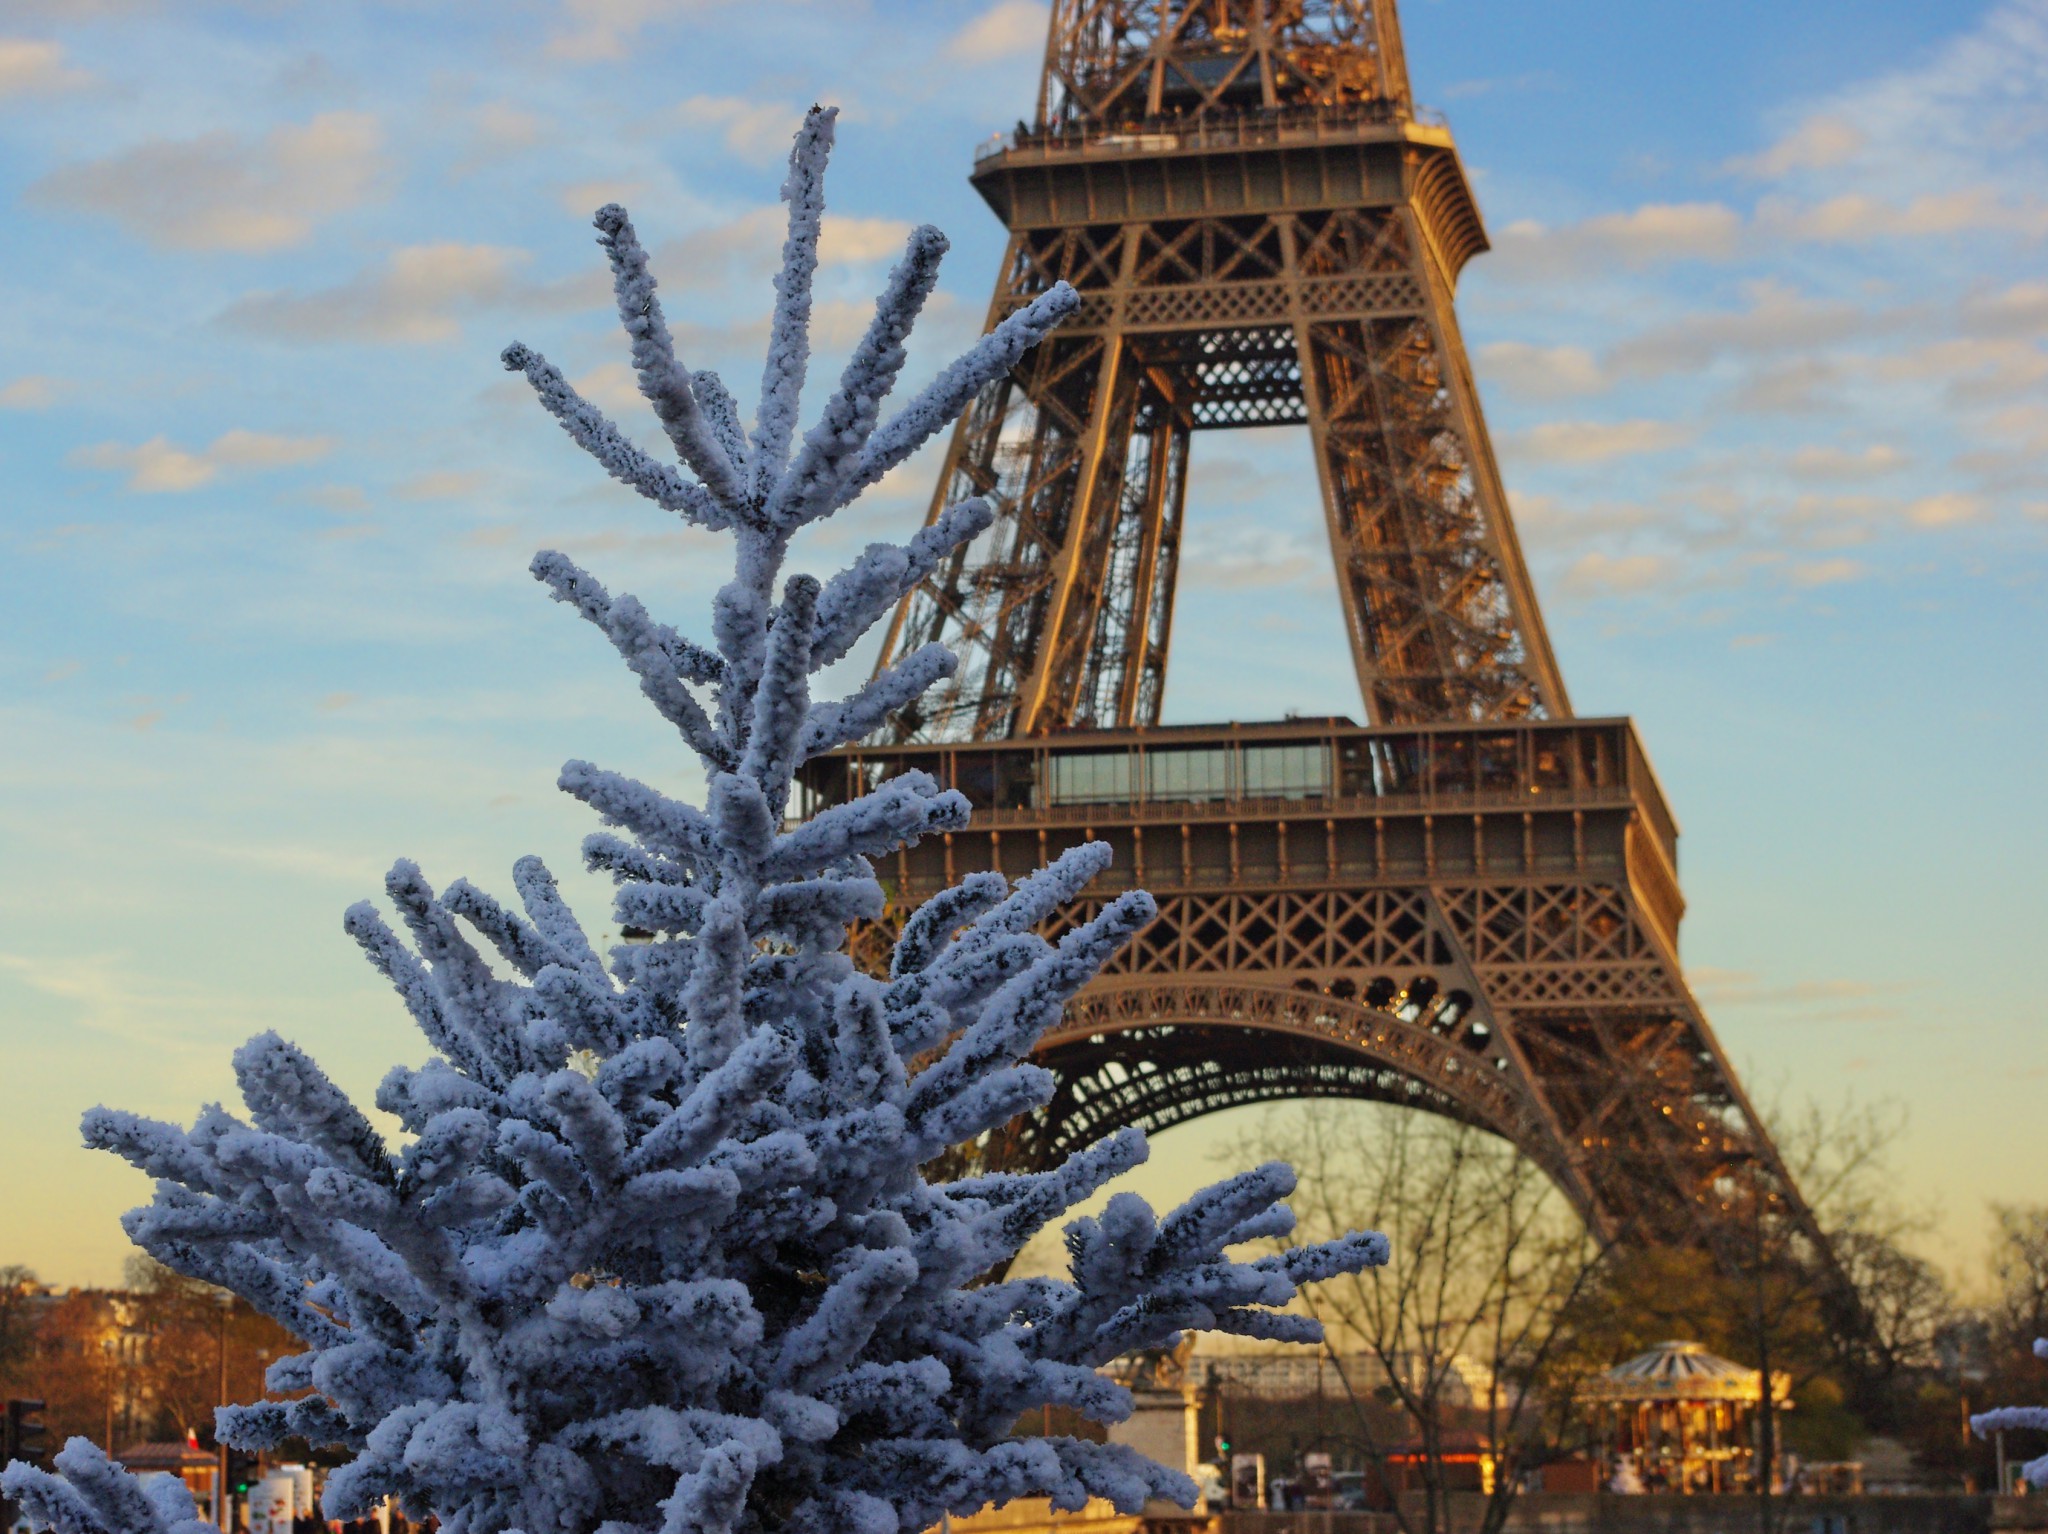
{"type": "Point", "coordinates": [202, 1347]}
{"type": "Point", "coordinates": [1460, 1330]}
{"type": "Point", "coordinates": [76, 1365]}
{"type": "Point", "coordinates": [2019, 1275]}
{"type": "Point", "coordinates": [19, 1291]}
{"type": "Point", "coordinates": [2011, 1372]}
{"type": "Point", "coordinates": [1857, 1318]}
{"type": "Point", "coordinates": [149, 1361]}
{"type": "Point", "coordinates": [1840, 1159]}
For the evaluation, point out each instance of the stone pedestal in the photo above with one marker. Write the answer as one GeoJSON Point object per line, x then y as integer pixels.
{"type": "Point", "coordinates": [1163, 1426]}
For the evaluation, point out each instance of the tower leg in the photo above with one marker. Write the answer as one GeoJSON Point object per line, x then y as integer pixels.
{"type": "Point", "coordinates": [1148, 619]}
{"type": "Point", "coordinates": [1076, 576]}
{"type": "Point", "coordinates": [1436, 610]}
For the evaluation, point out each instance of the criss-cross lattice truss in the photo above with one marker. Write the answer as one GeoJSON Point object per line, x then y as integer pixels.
{"type": "Point", "coordinates": [1470, 905]}
{"type": "Point", "coordinates": [1261, 233]}
{"type": "Point", "coordinates": [1479, 920]}
{"type": "Point", "coordinates": [1118, 61]}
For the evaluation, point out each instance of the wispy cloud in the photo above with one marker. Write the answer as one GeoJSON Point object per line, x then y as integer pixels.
{"type": "Point", "coordinates": [223, 191]}
{"type": "Point", "coordinates": [741, 246]}
{"type": "Point", "coordinates": [1926, 127]}
{"type": "Point", "coordinates": [1239, 556]}
{"type": "Point", "coordinates": [1843, 463]}
{"type": "Point", "coordinates": [31, 391]}
{"type": "Point", "coordinates": [106, 999]}
{"type": "Point", "coordinates": [580, 199]}
{"type": "Point", "coordinates": [1821, 1000]}
{"type": "Point", "coordinates": [1002, 31]}
{"type": "Point", "coordinates": [1598, 441]}
{"type": "Point", "coordinates": [75, 10]}
{"type": "Point", "coordinates": [1599, 574]}
{"type": "Point", "coordinates": [852, 241]}
{"type": "Point", "coordinates": [498, 131]}
{"type": "Point", "coordinates": [421, 295]}
{"type": "Point", "coordinates": [343, 499]}
{"type": "Point", "coordinates": [1777, 319]}
{"type": "Point", "coordinates": [1657, 232]}
{"type": "Point", "coordinates": [758, 132]}
{"type": "Point", "coordinates": [1947, 509]}
{"type": "Point", "coordinates": [1785, 387]}
{"type": "Point", "coordinates": [1541, 372]}
{"type": "Point", "coordinates": [439, 485]}
{"type": "Point", "coordinates": [1971, 370]}
{"type": "Point", "coordinates": [1827, 572]}
{"type": "Point", "coordinates": [1529, 80]}
{"type": "Point", "coordinates": [416, 296]}
{"type": "Point", "coordinates": [594, 31]}
{"type": "Point", "coordinates": [1816, 144]}
{"type": "Point", "coordinates": [31, 66]}
{"type": "Point", "coordinates": [1855, 218]}
{"type": "Point", "coordinates": [159, 466]}
{"type": "Point", "coordinates": [2018, 310]}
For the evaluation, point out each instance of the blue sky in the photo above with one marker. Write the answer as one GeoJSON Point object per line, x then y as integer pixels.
{"type": "Point", "coordinates": [1761, 341]}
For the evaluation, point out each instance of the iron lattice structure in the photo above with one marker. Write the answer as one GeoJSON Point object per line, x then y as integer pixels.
{"type": "Point", "coordinates": [1470, 904]}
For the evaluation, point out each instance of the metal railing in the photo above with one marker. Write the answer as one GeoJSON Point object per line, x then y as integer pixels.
{"type": "Point", "coordinates": [1306, 869]}
{"type": "Point", "coordinates": [1285, 125]}
{"type": "Point", "coordinates": [1548, 766]}
{"type": "Point", "coordinates": [1422, 801]}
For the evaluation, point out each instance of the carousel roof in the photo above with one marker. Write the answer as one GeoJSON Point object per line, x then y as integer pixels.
{"type": "Point", "coordinates": [172, 1456]}
{"type": "Point", "coordinates": [1682, 1371]}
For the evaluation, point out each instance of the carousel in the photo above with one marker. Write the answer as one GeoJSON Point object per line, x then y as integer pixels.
{"type": "Point", "coordinates": [1680, 1419]}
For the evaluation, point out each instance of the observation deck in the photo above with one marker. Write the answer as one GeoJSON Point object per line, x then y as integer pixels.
{"type": "Point", "coordinates": [1300, 803]}
{"type": "Point", "coordinates": [1284, 160]}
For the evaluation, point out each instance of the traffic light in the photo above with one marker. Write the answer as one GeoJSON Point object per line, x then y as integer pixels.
{"type": "Point", "coordinates": [26, 1432]}
{"type": "Point", "coordinates": [1222, 1448]}
{"type": "Point", "coordinates": [243, 1471]}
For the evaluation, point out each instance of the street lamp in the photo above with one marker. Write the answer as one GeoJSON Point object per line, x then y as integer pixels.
{"type": "Point", "coordinates": [110, 1360]}
{"type": "Point", "coordinates": [222, 1517]}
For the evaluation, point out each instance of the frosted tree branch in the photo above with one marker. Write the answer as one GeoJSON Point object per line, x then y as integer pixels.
{"type": "Point", "coordinates": [789, 330]}
{"type": "Point", "coordinates": [946, 396]}
{"type": "Point", "coordinates": [590, 430]}
{"type": "Point", "coordinates": [811, 488]}
{"type": "Point", "coordinates": [664, 381]}
{"type": "Point", "coordinates": [655, 1252]}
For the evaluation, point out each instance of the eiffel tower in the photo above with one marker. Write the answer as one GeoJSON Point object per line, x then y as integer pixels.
{"type": "Point", "coordinates": [1468, 905]}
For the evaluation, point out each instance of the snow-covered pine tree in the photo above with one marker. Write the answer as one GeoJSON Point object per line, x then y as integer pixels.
{"type": "Point", "coordinates": [2027, 1419]}
{"type": "Point", "coordinates": [657, 1256]}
